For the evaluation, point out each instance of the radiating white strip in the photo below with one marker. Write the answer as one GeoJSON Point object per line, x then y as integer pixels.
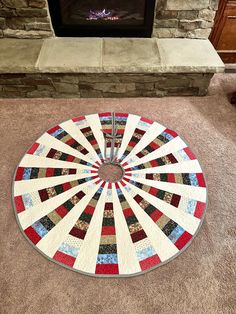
{"type": "Point", "coordinates": [152, 132]}
{"type": "Point", "coordinates": [190, 166]}
{"type": "Point", "coordinates": [51, 241]}
{"type": "Point", "coordinates": [164, 248]}
{"type": "Point", "coordinates": [185, 220]}
{"type": "Point", "coordinates": [22, 187]}
{"type": "Point", "coordinates": [41, 162]}
{"type": "Point", "coordinates": [87, 258]}
{"type": "Point", "coordinates": [195, 192]}
{"type": "Point", "coordinates": [131, 124]}
{"type": "Point", "coordinates": [173, 146]}
{"type": "Point", "coordinates": [96, 127]}
{"type": "Point", "coordinates": [75, 132]}
{"type": "Point", "coordinates": [48, 140]}
{"type": "Point", "coordinates": [28, 217]}
{"type": "Point", "coordinates": [127, 258]}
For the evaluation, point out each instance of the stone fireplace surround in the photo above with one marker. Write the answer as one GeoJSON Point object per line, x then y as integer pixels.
{"type": "Point", "coordinates": [177, 60]}
{"type": "Point", "coordinates": [173, 18]}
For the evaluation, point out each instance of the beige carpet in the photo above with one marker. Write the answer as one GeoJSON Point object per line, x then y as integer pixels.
{"type": "Point", "coordinates": [200, 280]}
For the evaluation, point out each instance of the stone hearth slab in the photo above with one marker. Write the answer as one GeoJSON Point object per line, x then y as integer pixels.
{"type": "Point", "coordinates": [71, 55]}
{"type": "Point", "coordinates": [109, 55]}
{"type": "Point", "coordinates": [186, 55]}
{"type": "Point", "coordinates": [19, 55]}
{"type": "Point", "coordinates": [134, 54]}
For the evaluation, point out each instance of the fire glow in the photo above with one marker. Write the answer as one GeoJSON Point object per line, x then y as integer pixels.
{"type": "Point", "coordinates": [101, 15]}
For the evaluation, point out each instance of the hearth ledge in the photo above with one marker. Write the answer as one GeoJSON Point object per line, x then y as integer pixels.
{"type": "Point", "coordinates": [109, 67]}
{"type": "Point", "coordinates": [109, 55]}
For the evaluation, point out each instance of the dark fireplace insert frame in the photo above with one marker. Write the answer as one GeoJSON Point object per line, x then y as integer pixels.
{"type": "Point", "coordinates": [101, 30]}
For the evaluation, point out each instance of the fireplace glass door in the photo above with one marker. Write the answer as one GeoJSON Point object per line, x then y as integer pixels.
{"type": "Point", "coordinates": [118, 18]}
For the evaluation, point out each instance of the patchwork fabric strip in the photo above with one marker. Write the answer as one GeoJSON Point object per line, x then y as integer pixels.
{"type": "Point", "coordinates": [27, 173]}
{"type": "Point", "coordinates": [109, 194]}
{"type": "Point", "coordinates": [60, 134]}
{"type": "Point", "coordinates": [145, 252]}
{"type": "Point", "coordinates": [42, 150]}
{"type": "Point", "coordinates": [69, 248]}
{"type": "Point", "coordinates": [139, 132]}
{"type": "Point", "coordinates": [85, 128]}
{"type": "Point", "coordinates": [107, 260]}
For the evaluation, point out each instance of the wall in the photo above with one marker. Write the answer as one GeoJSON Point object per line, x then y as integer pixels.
{"type": "Point", "coordinates": [58, 85]}
{"type": "Point", "coordinates": [24, 19]}
{"type": "Point", "coordinates": [184, 18]}
{"type": "Point", "coordinates": [174, 18]}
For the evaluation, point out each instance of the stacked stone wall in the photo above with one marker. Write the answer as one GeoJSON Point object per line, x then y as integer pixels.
{"type": "Point", "coordinates": [173, 18]}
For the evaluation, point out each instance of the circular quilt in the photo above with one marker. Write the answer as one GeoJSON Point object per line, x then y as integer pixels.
{"type": "Point", "coordinates": [109, 194]}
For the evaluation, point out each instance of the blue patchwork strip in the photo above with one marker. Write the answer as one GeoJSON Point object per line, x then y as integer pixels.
{"type": "Point", "coordinates": [193, 179]}
{"type": "Point", "coordinates": [57, 132]}
{"type": "Point", "coordinates": [128, 189]}
{"type": "Point", "coordinates": [39, 150]}
{"type": "Point", "coordinates": [183, 154]}
{"type": "Point", "coordinates": [167, 135]}
{"type": "Point", "coordinates": [108, 118]}
{"type": "Point", "coordinates": [40, 229]}
{"type": "Point", "coordinates": [134, 183]}
{"type": "Point", "coordinates": [27, 200]}
{"type": "Point", "coordinates": [100, 190]}
{"type": "Point", "coordinates": [119, 192]}
{"type": "Point", "coordinates": [145, 253]}
{"type": "Point", "coordinates": [88, 164]}
{"type": "Point", "coordinates": [191, 206]}
{"type": "Point", "coordinates": [81, 122]}
{"type": "Point", "coordinates": [26, 174]}
{"type": "Point", "coordinates": [145, 124]}
{"type": "Point", "coordinates": [68, 249]}
{"type": "Point", "coordinates": [176, 233]}
{"type": "Point", "coordinates": [107, 259]}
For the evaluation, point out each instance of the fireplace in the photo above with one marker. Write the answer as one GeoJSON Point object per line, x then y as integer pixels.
{"type": "Point", "coordinates": [102, 18]}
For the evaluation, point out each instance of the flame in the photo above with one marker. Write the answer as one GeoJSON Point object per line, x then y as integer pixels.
{"type": "Point", "coordinates": [101, 14]}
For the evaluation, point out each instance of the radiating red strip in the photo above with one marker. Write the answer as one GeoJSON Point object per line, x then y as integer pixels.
{"type": "Point", "coordinates": [120, 114]}
{"type": "Point", "coordinates": [150, 262]}
{"type": "Point", "coordinates": [183, 240]}
{"type": "Point", "coordinates": [78, 119]}
{"type": "Point", "coordinates": [19, 173]}
{"type": "Point", "coordinates": [33, 148]}
{"type": "Point", "coordinates": [171, 132]}
{"type": "Point", "coordinates": [146, 120]}
{"type": "Point", "coordinates": [32, 235]}
{"type": "Point", "coordinates": [64, 258]}
{"type": "Point", "coordinates": [200, 179]}
{"type": "Point", "coordinates": [189, 153]}
{"type": "Point", "coordinates": [104, 114]}
{"type": "Point", "coordinates": [199, 209]}
{"type": "Point", "coordinates": [108, 230]}
{"type": "Point", "coordinates": [61, 211]}
{"type": "Point", "coordinates": [156, 215]}
{"type": "Point", "coordinates": [49, 172]}
{"type": "Point", "coordinates": [89, 209]}
{"type": "Point", "coordinates": [52, 130]}
{"type": "Point", "coordinates": [19, 204]}
{"type": "Point", "coordinates": [107, 269]}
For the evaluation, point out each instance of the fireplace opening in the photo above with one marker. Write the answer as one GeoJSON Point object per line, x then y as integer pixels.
{"type": "Point", "coordinates": [102, 18]}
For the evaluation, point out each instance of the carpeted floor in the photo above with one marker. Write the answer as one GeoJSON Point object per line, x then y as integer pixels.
{"type": "Point", "coordinates": [200, 280]}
